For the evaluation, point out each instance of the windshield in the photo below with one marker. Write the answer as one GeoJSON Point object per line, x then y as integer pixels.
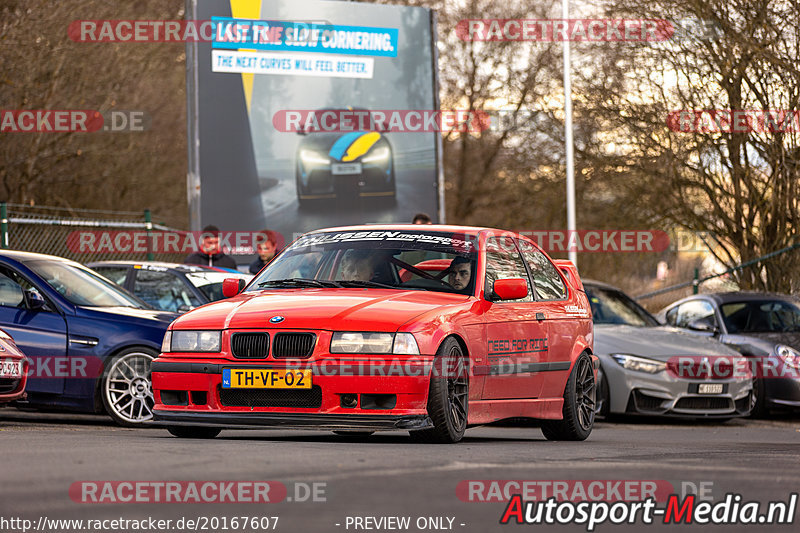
{"type": "Point", "coordinates": [761, 316]}
{"type": "Point", "coordinates": [210, 283]}
{"type": "Point", "coordinates": [81, 286]}
{"type": "Point", "coordinates": [418, 260]}
{"type": "Point", "coordinates": [610, 306]}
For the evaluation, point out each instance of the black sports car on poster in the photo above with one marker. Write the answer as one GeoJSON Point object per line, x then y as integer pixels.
{"type": "Point", "coordinates": [331, 165]}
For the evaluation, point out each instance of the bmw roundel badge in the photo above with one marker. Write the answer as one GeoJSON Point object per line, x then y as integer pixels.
{"type": "Point", "coordinates": [276, 319]}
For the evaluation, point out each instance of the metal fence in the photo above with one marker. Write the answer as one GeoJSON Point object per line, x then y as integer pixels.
{"type": "Point", "coordinates": [59, 231]}
{"type": "Point", "coordinates": [694, 284]}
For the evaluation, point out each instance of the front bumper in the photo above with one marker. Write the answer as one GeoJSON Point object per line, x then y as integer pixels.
{"type": "Point", "coordinates": [662, 394]}
{"type": "Point", "coordinates": [782, 393]}
{"type": "Point", "coordinates": [190, 392]}
{"type": "Point", "coordinates": [293, 420]}
{"type": "Point", "coordinates": [13, 388]}
{"type": "Point", "coordinates": [321, 183]}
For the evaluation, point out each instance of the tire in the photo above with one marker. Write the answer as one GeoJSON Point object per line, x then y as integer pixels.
{"type": "Point", "coordinates": [758, 402]}
{"type": "Point", "coordinates": [193, 432]}
{"type": "Point", "coordinates": [448, 396]}
{"type": "Point", "coordinates": [126, 388]}
{"type": "Point", "coordinates": [602, 406]}
{"type": "Point", "coordinates": [579, 404]}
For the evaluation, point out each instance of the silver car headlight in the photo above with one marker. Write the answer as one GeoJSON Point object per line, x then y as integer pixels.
{"type": "Point", "coordinates": [640, 364]}
{"type": "Point", "coordinates": [193, 341]}
{"type": "Point", "coordinates": [312, 158]}
{"type": "Point", "coordinates": [379, 155]}
{"type": "Point", "coordinates": [374, 343]}
{"type": "Point", "coordinates": [788, 355]}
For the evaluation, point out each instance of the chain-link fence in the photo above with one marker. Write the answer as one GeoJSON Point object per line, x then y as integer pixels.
{"type": "Point", "coordinates": [83, 235]}
{"type": "Point", "coordinates": [718, 280]}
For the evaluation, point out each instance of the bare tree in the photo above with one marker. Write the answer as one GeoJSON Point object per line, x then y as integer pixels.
{"type": "Point", "coordinates": [739, 183]}
{"type": "Point", "coordinates": [44, 69]}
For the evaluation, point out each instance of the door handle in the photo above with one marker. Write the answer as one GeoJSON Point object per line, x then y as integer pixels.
{"type": "Point", "coordinates": [540, 316]}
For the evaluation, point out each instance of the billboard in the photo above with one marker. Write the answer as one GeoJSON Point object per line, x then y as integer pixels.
{"type": "Point", "coordinates": [309, 114]}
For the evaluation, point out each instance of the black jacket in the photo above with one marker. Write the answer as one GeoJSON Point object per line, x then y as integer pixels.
{"type": "Point", "coordinates": [218, 260]}
{"type": "Point", "coordinates": [257, 265]}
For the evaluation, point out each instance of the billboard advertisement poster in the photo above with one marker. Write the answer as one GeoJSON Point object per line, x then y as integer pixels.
{"type": "Point", "coordinates": [310, 114]}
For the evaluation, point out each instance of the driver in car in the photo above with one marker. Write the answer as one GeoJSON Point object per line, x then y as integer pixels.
{"type": "Point", "coordinates": [460, 273]}
{"type": "Point", "coordinates": [358, 266]}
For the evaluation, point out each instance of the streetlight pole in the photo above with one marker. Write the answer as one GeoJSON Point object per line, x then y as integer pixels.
{"type": "Point", "coordinates": [570, 156]}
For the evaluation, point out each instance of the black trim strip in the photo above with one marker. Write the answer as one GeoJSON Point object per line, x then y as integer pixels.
{"type": "Point", "coordinates": [527, 368]}
{"type": "Point", "coordinates": [304, 420]}
{"type": "Point", "coordinates": [521, 351]}
{"type": "Point", "coordinates": [186, 368]}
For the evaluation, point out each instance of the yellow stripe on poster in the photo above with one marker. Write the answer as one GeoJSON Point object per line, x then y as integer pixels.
{"type": "Point", "coordinates": [361, 146]}
{"type": "Point", "coordinates": [246, 9]}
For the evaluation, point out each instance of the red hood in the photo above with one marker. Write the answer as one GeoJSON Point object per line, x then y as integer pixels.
{"type": "Point", "coordinates": [331, 309]}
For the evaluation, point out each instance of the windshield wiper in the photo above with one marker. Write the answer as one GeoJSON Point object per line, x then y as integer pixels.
{"type": "Point", "coordinates": [298, 282]}
{"type": "Point", "coordinates": [363, 283]}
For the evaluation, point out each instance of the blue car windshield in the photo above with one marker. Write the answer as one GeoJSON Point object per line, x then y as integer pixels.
{"type": "Point", "coordinates": [81, 286]}
{"type": "Point", "coordinates": [402, 259]}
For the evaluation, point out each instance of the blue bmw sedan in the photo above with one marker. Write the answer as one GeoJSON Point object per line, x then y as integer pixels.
{"type": "Point", "coordinates": [89, 342]}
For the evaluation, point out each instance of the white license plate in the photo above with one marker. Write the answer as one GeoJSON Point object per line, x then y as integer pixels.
{"type": "Point", "coordinates": [340, 169]}
{"type": "Point", "coordinates": [709, 388]}
{"type": "Point", "coordinates": [11, 369]}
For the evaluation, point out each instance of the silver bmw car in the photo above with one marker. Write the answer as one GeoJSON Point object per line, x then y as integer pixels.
{"type": "Point", "coordinates": [649, 369]}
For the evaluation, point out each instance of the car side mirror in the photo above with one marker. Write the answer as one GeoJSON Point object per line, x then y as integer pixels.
{"type": "Point", "coordinates": [702, 325]}
{"type": "Point", "coordinates": [510, 288]}
{"type": "Point", "coordinates": [232, 286]}
{"type": "Point", "coordinates": [33, 300]}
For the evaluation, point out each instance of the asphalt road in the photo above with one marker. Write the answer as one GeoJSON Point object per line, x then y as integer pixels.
{"type": "Point", "coordinates": [385, 475]}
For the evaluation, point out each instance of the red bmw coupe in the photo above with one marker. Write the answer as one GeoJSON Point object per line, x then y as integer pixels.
{"type": "Point", "coordinates": [357, 329]}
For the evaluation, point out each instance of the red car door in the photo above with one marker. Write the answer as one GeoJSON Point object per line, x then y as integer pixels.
{"type": "Point", "coordinates": [559, 315]}
{"type": "Point", "coordinates": [516, 336]}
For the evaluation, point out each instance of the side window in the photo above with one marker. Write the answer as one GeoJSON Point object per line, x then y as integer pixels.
{"type": "Point", "coordinates": [115, 274]}
{"type": "Point", "coordinates": [502, 262]}
{"type": "Point", "coordinates": [12, 287]}
{"type": "Point", "coordinates": [548, 283]}
{"type": "Point", "coordinates": [163, 290]}
{"type": "Point", "coordinates": [694, 310]}
{"type": "Point", "coordinates": [10, 292]}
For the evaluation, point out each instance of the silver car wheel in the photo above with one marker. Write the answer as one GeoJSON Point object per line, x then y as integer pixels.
{"type": "Point", "coordinates": [127, 390]}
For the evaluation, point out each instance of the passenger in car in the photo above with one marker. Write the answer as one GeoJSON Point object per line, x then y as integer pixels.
{"type": "Point", "coordinates": [460, 274]}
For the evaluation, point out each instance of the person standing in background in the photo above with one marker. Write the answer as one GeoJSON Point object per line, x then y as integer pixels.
{"type": "Point", "coordinates": [267, 249]}
{"type": "Point", "coordinates": [210, 253]}
{"type": "Point", "coordinates": [422, 218]}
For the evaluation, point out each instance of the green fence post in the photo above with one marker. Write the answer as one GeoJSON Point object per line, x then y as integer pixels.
{"type": "Point", "coordinates": [148, 225]}
{"type": "Point", "coordinates": [3, 225]}
{"type": "Point", "coordinates": [696, 281]}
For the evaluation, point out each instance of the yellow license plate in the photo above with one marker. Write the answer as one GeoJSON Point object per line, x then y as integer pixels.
{"type": "Point", "coordinates": [262, 378]}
